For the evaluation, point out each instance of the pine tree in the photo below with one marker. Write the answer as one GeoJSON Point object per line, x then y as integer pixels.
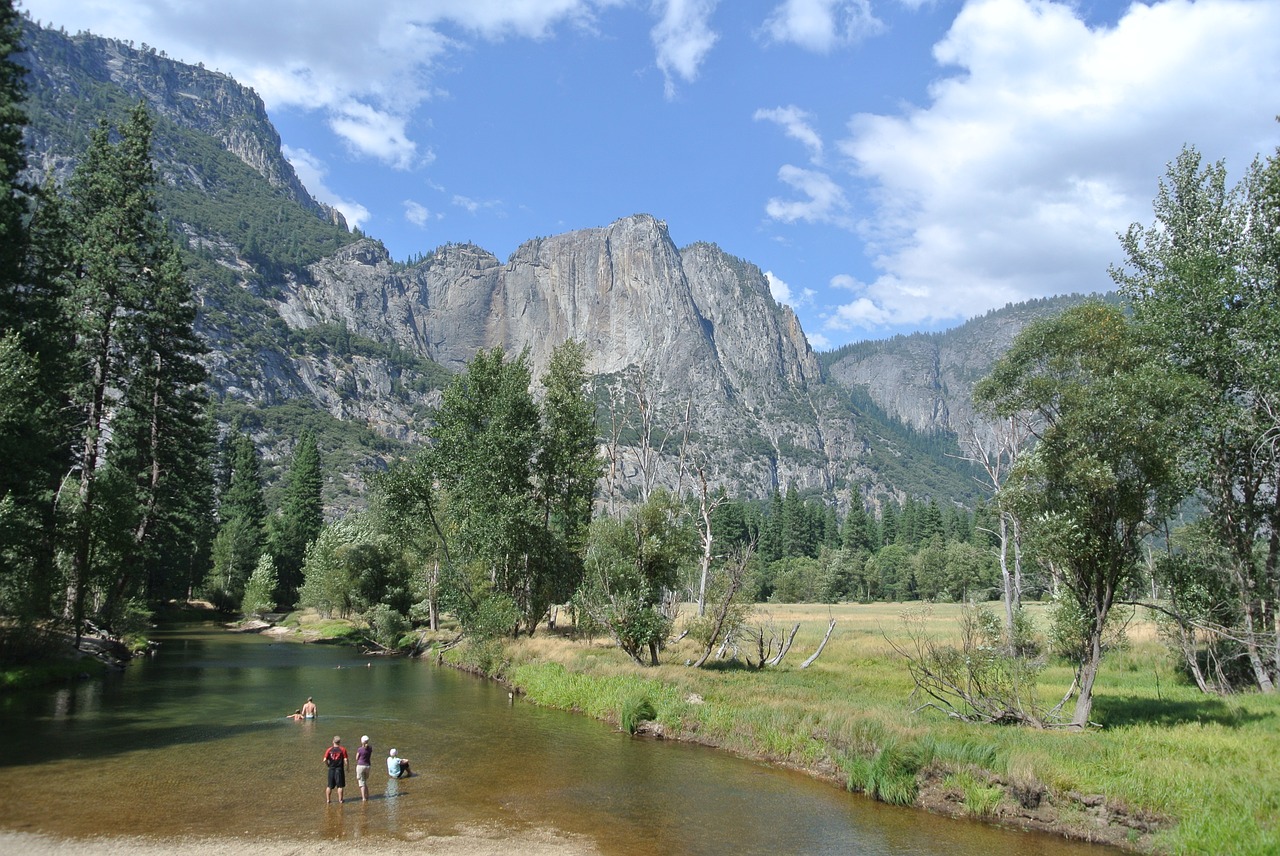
{"type": "Point", "coordinates": [139, 401]}
{"type": "Point", "coordinates": [300, 519]}
{"type": "Point", "coordinates": [241, 534]}
{"type": "Point", "coordinates": [33, 358]}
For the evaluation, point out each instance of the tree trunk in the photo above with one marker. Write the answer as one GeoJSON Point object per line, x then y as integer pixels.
{"type": "Point", "coordinates": [814, 656]}
{"type": "Point", "coordinates": [1088, 674]}
{"type": "Point", "coordinates": [786, 646]}
{"type": "Point", "coordinates": [1006, 578]}
{"type": "Point", "coordinates": [433, 606]}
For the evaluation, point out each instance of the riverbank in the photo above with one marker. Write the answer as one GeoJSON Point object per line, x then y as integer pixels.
{"type": "Point", "coordinates": [1170, 771]}
{"type": "Point", "coordinates": [466, 843]}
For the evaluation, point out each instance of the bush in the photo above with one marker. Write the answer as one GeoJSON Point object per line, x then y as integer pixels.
{"type": "Point", "coordinates": [387, 627]}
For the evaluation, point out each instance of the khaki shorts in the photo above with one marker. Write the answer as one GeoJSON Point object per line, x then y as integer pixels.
{"type": "Point", "coordinates": [362, 775]}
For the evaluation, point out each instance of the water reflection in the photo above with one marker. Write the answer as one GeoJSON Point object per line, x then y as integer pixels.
{"type": "Point", "coordinates": [196, 741]}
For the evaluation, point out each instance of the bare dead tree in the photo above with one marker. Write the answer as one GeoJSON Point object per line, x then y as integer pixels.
{"type": "Point", "coordinates": [995, 448]}
{"type": "Point", "coordinates": [681, 459]}
{"type": "Point", "coordinates": [786, 646]}
{"type": "Point", "coordinates": [706, 507]}
{"type": "Point", "coordinates": [726, 610]}
{"type": "Point", "coordinates": [766, 639]}
{"type": "Point", "coordinates": [814, 656]}
{"type": "Point", "coordinates": [617, 422]}
{"type": "Point", "coordinates": [646, 455]}
{"type": "Point", "coordinates": [976, 682]}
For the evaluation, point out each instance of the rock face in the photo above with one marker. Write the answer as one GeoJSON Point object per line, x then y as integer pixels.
{"type": "Point", "coordinates": [191, 96]}
{"type": "Point", "coordinates": [925, 380]}
{"type": "Point", "coordinates": [700, 325]}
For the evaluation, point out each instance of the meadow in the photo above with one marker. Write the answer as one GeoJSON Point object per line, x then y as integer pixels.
{"type": "Point", "coordinates": [1168, 770]}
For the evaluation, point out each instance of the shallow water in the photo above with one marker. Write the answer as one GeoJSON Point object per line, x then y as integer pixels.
{"type": "Point", "coordinates": [195, 741]}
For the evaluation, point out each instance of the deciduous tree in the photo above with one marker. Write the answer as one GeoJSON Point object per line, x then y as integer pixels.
{"type": "Point", "coordinates": [1204, 278]}
{"type": "Point", "coordinates": [1102, 473]}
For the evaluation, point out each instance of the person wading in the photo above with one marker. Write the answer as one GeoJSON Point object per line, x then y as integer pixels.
{"type": "Point", "coordinates": [335, 758]}
{"type": "Point", "coordinates": [364, 759]}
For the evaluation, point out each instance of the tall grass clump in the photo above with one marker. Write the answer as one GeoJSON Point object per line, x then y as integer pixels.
{"type": "Point", "coordinates": [636, 708]}
{"type": "Point", "coordinates": [890, 775]}
{"type": "Point", "coordinates": [979, 796]}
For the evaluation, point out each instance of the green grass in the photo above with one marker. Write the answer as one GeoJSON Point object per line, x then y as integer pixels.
{"type": "Point", "coordinates": [1206, 765]}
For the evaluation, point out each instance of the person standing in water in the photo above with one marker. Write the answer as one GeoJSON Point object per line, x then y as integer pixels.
{"type": "Point", "coordinates": [309, 709]}
{"type": "Point", "coordinates": [335, 758]}
{"type": "Point", "coordinates": [364, 760]}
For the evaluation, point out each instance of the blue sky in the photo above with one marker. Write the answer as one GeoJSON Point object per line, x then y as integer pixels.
{"type": "Point", "coordinates": [892, 165]}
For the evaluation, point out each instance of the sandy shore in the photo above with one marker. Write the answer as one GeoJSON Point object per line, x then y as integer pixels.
{"type": "Point", "coordinates": [469, 843]}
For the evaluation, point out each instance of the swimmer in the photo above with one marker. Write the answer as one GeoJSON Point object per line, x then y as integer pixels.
{"type": "Point", "coordinates": [296, 716]}
{"type": "Point", "coordinates": [308, 710]}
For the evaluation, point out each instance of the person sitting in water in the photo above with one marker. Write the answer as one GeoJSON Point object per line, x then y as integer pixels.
{"type": "Point", "coordinates": [397, 767]}
{"type": "Point", "coordinates": [297, 716]}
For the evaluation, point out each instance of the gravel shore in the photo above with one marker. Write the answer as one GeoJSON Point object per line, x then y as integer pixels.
{"type": "Point", "coordinates": [469, 843]}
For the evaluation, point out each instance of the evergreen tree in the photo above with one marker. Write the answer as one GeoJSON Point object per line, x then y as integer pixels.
{"type": "Point", "coordinates": [907, 534]}
{"type": "Point", "coordinates": [301, 516]}
{"type": "Point", "coordinates": [33, 358]}
{"type": "Point", "coordinates": [729, 523]}
{"type": "Point", "coordinates": [888, 524]}
{"type": "Point", "coordinates": [241, 533]}
{"type": "Point", "coordinates": [138, 402]}
{"type": "Point", "coordinates": [770, 546]}
{"type": "Point", "coordinates": [928, 522]}
{"type": "Point", "coordinates": [856, 534]}
{"type": "Point", "coordinates": [830, 528]}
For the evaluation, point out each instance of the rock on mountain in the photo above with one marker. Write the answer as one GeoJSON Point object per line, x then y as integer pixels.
{"type": "Point", "coordinates": [698, 324]}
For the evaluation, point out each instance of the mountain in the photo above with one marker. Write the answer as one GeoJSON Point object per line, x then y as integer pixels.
{"type": "Point", "coordinates": [924, 380]}
{"type": "Point", "coordinates": [312, 325]}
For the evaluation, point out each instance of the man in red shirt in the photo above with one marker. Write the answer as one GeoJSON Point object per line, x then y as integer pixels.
{"type": "Point", "coordinates": [335, 758]}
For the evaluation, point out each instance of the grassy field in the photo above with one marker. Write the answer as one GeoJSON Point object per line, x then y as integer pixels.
{"type": "Point", "coordinates": [1170, 770]}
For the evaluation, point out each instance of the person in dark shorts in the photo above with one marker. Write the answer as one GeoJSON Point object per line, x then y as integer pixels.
{"type": "Point", "coordinates": [335, 758]}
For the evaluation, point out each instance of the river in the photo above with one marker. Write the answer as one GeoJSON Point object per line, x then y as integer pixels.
{"type": "Point", "coordinates": [194, 742]}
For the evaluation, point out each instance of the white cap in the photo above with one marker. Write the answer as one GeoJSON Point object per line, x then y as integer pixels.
{"type": "Point", "coordinates": [364, 739]}
{"type": "Point", "coordinates": [393, 751]}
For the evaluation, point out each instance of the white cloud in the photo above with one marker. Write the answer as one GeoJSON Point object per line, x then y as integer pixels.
{"type": "Point", "coordinates": [375, 132]}
{"type": "Point", "coordinates": [824, 200]}
{"type": "Point", "coordinates": [474, 206]}
{"type": "Point", "coordinates": [1049, 139]}
{"type": "Point", "coordinates": [367, 65]}
{"type": "Point", "coordinates": [782, 292]}
{"type": "Point", "coordinates": [822, 25]}
{"type": "Point", "coordinates": [795, 122]}
{"type": "Point", "coordinates": [818, 342]}
{"type": "Point", "coordinates": [683, 37]}
{"type": "Point", "coordinates": [417, 213]}
{"type": "Point", "coordinates": [311, 172]}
